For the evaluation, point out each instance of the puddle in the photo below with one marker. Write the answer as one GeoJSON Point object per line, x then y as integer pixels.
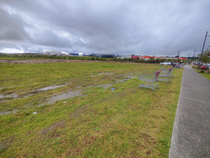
{"type": "Point", "coordinates": [8, 112]}
{"type": "Point", "coordinates": [96, 75]}
{"type": "Point", "coordinates": [125, 79]}
{"type": "Point", "coordinates": [2, 101]}
{"type": "Point", "coordinates": [109, 74]}
{"type": "Point", "coordinates": [105, 86]}
{"type": "Point", "coordinates": [50, 88]}
{"type": "Point", "coordinates": [13, 95]}
{"type": "Point", "coordinates": [68, 95]}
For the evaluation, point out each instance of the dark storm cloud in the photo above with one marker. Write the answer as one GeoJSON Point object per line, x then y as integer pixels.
{"type": "Point", "coordinates": [11, 28]}
{"type": "Point", "coordinates": [123, 27]}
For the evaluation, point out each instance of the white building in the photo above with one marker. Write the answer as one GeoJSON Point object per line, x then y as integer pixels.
{"type": "Point", "coordinates": [52, 52]}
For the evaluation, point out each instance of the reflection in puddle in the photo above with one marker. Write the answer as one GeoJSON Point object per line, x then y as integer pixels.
{"type": "Point", "coordinates": [109, 74]}
{"type": "Point", "coordinates": [8, 112]}
{"type": "Point", "coordinates": [50, 87]}
{"type": "Point", "coordinates": [68, 95]}
{"type": "Point", "coordinates": [2, 101]}
{"type": "Point", "coordinates": [105, 86]}
{"type": "Point", "coordinates": [13, 95]}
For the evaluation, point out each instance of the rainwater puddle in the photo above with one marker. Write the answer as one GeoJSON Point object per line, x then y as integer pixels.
{"type": "Point", "coordinates": [68, 95]}
{"type": "Point", "coordinates": [8, 112]}
{"type": "Point", "coordinates": [13, 95]}
{"type": "Point", "coordinates": [96, 75]}
{"type": "Point", "coordinates": [105, 86]}
{"type": "Point", "coordinates": [109, 74]}
{"type": "Point", "coordinates": [50, 87]}
{"type": "Point", "coordinates": [125, 79]}
{"type": "Point", "coordinates": [2, 101]}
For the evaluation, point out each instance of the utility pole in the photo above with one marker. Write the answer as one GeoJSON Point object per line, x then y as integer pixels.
{"type": "Point", "coordinates": [203, 45]}
{"type": "Point", "coordinates": [194, 53]}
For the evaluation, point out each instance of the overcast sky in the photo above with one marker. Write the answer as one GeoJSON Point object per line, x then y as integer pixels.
{"type": "Point", "coordinates": [144, 27]}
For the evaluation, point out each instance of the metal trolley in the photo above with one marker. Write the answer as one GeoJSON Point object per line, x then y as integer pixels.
{"type": "Point", "coordinates": [166, 75]}
{"type": "Point", "coordinates": [150, 79]}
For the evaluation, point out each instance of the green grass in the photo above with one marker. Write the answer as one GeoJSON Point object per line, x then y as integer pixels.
{"type": "Point", "coordinates": [127, 122]}
{"type": "Point", "coordinates": [206, 75]}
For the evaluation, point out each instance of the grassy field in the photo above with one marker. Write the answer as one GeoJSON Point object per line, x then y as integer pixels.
{"type": "Point", "coordinates": [206, 75]}
{"type": "Point", "coordinates": [126, 122]}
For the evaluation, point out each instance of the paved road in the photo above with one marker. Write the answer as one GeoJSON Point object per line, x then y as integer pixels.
{"type": "Point", "coordinates": [191, 133]}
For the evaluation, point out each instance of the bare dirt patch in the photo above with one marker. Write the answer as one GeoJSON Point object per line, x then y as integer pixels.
{"type": "Point", "coordinates": [7, 142]}
{"type": "Point", "coordinates": [54, 126]}
{"type": "Point", "coordinates": [38, 61]}
{"type": "Point", "coordinates": [79, 111]}
{"type": "Point", "coordinates": [32, 61]}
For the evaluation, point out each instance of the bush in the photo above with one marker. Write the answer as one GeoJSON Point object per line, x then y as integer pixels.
{"type": "Point", "coordinates": [208, 71]}
{"type": "Point", "coordinates": [202, 71]}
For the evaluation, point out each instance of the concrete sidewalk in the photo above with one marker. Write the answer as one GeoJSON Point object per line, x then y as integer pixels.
{"type": "Point", "coordinates": [191, 132]}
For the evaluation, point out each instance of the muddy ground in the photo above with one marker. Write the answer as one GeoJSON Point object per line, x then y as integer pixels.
{"type": "Point", "coordinates": [67, 95]}
{"type": "Point", "coordinates": [38, 61]}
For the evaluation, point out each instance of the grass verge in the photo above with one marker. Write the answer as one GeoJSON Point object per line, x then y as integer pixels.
{"type": "Point", "coordinates": [204, 73]}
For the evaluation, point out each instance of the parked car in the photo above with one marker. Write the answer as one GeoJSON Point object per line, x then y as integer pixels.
{"type": "Point", "coordinates": [165, 63]}
{"type": "Point", "coordinates": [208, 66]}
{"type": "Point", "coordinates": [205, 66]}
{"type": "Point", "coordinates": [177, 65]}
{"type": "Point", "coordinates": [195, 63]}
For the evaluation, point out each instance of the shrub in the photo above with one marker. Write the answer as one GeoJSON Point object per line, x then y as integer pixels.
{"type": "Point", "coordinates": [208, 71]}
{"type": "Point", "coordinates": [202, 71]}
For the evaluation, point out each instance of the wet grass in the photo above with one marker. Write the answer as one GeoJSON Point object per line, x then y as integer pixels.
{"type": "Point", "coordinates": [126, 122]}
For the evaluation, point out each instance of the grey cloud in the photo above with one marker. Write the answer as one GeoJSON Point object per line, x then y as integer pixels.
{"type": "Point", "coordinates": [11, 27]}
{"type": "Point", "coordinates": [123, 27]}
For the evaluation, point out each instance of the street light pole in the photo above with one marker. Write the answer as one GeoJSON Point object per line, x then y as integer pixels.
{"type": "Point", "coordinates": [194, 53]}
{"type": "Point", "coordinates": [203, 45]}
